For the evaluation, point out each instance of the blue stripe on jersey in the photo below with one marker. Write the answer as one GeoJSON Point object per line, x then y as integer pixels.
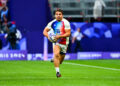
{"type": "Point", "coordinates": [56, 27]}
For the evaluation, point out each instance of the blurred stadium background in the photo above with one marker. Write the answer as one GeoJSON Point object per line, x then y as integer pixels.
{"type": "Point", "coordinates": [96, 64]}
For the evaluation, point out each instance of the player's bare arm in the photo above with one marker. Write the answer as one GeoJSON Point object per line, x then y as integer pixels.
{"type": "Point", "coordinates": [45, 32]}
{"type": "Point", "coordinates": [67, 34]}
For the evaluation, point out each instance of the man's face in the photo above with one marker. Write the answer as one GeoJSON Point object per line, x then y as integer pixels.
{"type": "Point", "coordinates": [58, 16]}
{"type": "Point", "coordinates": [78, 29]}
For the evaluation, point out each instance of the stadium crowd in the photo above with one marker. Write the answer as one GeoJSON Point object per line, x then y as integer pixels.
{"type": "Point", "coordinates": [8, 28]}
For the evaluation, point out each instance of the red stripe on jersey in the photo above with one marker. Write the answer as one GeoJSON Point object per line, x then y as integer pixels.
{"type": "Point", "coordinates": [0, 4]}
{"type": "Point", "coordinates": [62, 30]}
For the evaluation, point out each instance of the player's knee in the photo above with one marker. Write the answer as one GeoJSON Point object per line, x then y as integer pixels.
{"type": "Point", "coordinates": [56, 54]}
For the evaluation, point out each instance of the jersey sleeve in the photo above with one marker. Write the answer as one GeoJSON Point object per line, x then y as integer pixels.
{"type": "Point", "coordinates": [49, 25]}
{"type": "Point", "coordinates": [67, 25]}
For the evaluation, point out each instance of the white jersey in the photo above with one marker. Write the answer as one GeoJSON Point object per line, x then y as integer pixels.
{"type": "Point", "coordinates": [78, 35]}
{"type": "Point", "coordinates": [59, 28]}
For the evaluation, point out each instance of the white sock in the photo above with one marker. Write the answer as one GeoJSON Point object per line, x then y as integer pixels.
{"type": "Point", "coordinates": [57, 69]}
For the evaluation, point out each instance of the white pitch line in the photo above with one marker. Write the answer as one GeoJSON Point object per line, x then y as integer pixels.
{"type": "Point", "coordinates": [92, 66]}
{"type": "Point", "coordinates": [28, 78]}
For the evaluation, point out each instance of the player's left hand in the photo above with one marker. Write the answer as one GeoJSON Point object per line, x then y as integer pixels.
{"type": "Point", "coordinates": [58, 36]}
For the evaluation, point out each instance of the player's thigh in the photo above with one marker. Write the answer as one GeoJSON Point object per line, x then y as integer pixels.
{"type": "Point", "coordinates": [56, 49]}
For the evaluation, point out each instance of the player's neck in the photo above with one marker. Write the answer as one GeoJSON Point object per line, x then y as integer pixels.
{"type": "Point", "coordinates": [59, 20]}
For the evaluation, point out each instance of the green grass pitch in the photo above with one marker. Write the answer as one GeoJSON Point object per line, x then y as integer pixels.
{"type": "Point", "coordinates": [74, 73]}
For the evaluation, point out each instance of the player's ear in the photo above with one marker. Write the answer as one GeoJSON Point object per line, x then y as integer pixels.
{"type": "Point", "coordinates": [54, 16]}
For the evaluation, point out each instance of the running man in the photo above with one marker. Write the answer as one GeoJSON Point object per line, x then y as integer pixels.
{"type": "Point", "coordinates": [62, 30]}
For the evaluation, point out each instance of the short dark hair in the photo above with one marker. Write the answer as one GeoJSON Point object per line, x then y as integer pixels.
{"type": "Point", "coordinates": [58, 10]}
